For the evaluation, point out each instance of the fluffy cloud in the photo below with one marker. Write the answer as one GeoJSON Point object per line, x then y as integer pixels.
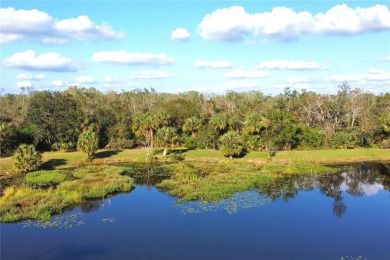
{"type": "Point", "coordinates": [220, 64]}
{"type": "Point", "coordinates": [24, 84]}
{"type": "Point", "coordinates": [58, 83]}
{"type": "Point", "coordinates": [50, 61]}
{"type": "Point", "coordinates": [84, 79]}
{"type": "Point", "coordinates": [234, 23]}
{"type": "Point", "coordinates": [372, 75]}
{"type": "Point", "coordinates": [180, 34]}
{"type": "Point", "coordinates": [28, 76]}
{"type": "Point", "coordinates": [150, 74]}
{"type": "Point", "coordinates": [288, 65]}
{"type": "Point", "coordinates": [133, 59]}
{"type": "Point", "coordinates": [37, 25]}
{"type": "Point", "coordinates": [245, 74]}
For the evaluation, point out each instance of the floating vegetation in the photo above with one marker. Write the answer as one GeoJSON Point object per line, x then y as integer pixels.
{"type": "Point", "coordinates": [232, 205]}
{"type": "Point", "coordinates": [63, 221]}
{"type": "Point", "coordinates": [352, 258]}
{"type": "Point", "coordinates": [109, 220]}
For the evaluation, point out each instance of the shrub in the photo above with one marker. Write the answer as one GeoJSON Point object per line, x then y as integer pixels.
{"type": "Point", "coordinates": [231, 144]}
{"type": "Point", "coordinates": [45, 178]}
{"type": "Point", "coordinates": [175, 157]}
{"type": "Point", "coordinates": [88, 143]}
{"type": "Point", "coordinates": [26, 158]}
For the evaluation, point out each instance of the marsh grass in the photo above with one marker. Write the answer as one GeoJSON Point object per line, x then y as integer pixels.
{"type": "Point", "coordinates": [21, 202]}
{"type": "Point", "coordinates": [46, 178]}
{"type": "Point", "coordinates": [212, 181]}
{"type": "Point", "coordinates": [298, 168]}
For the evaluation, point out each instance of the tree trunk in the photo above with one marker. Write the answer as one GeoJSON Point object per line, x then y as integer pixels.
{"type": "Point", "coordinates": [151, 138]}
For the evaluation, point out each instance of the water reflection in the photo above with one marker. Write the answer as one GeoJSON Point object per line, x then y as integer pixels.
{"type": "Point", "coordinates": [361, 179]}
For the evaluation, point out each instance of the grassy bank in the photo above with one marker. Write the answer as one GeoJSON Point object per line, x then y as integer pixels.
{"type": "Point", "coordinates": [215, 181]}
{"type": "Point", "coordinates": [64, 160]}
{"type": "Point", "coordinates": [66, 179]}
{"type": "Point", "coordinates": [38, 195]}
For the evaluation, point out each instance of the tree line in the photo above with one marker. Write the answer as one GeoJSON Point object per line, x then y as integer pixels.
{"type": "Point", "coordinates": [232, 122]}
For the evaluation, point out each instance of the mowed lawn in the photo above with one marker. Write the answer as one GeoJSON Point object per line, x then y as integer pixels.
{"type": "Point", "coordinates": [58, 160]}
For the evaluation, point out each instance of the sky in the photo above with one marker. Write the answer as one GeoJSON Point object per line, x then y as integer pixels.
{"type": "Point", "coordinates": [205, 46]}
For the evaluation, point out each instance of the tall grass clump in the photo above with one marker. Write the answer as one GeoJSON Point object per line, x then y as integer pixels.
{"type": "Point", "coordinates": [72, 187]}
{"type": "Point", "coordinates": [45, 178]}
{"type": "Point", "coordinates": [212, 181]}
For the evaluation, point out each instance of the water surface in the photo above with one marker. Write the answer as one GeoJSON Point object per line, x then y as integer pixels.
{"type": "Point", "coordinates": [319, 217]}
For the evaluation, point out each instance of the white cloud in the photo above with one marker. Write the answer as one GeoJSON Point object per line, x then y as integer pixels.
{"type": "Point", "coordinates": [133, 59]}
{"type": "Point", "coordinates": [372, 75]}
{"type": "Point", "coordinates": [245, 74]}
{"type": "Point", "coordinates": [28, 76]}
{"type": "Point", "coordinates": [58, 83]}
{"type": "Point", "coordinates": [180, 34]}
{"type": "Point", "coordinates": [112, 80]}
{"type": "Point", "coordinates": [24, 84]}
{"type": "Point", "coordinates": [241, 85]}
{"type": "Point", "coordinates": [50, 61]}
{"type": "Point", "coordinates": [33, 24]}
{"type": "Point", "coordinates": [387, 58]}
{"type": "Point", "coordinates": [84, 79]}
{"type": "Point", "coordinates": [220, 64]}
{"type": "Point", "coordinates": [235, 24]}
{"type": "Point", "coordinates": [150, 74]}
{"type": "Point", "coordinates": [288, 65]}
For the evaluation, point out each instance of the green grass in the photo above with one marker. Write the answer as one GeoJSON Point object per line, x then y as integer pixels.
{"type": "Point", "coordinates": [45, 178]}
{"type": "Point", "coordinates": [63, 160]}
{"type": "Point", "coordinates": [215, 181]}
{"type": "Point", "coordinates": [212, 181]}
{"type": "Point", "coordinates": [326, 156]}
{"type": "Point", "coordinates": [21, 202]}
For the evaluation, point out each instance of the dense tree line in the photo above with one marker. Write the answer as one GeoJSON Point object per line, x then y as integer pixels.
{"type": "Point", "coordinates": [230, 122]}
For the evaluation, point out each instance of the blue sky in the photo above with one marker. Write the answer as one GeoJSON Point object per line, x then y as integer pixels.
{"type": "Point", "coordinates": [206, 46]}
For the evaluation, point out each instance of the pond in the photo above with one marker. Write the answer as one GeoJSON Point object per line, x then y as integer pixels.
{"type": "Point", "coordinates": [335, 216]}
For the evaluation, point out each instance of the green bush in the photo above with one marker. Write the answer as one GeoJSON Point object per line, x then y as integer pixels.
{"type": "Point", "coordinates": [26, 158]}
{"type": "Point", "coordinates": [45, 178]}
{"type": "Point", "coordinates": [175, 157]}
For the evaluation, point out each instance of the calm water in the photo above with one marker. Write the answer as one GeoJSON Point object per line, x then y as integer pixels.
{"type": "Point", "coordinates": [328, 217]}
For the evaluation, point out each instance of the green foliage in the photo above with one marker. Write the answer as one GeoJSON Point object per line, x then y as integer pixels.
{"type": "Point", "coordinates": [310, 137]}
{"type": "Point", "coordinates": [253, 142]}
{"type": "Point", "coordinates": [231, 144]}
{"type": "Point", "coordinates": [93, 182]}
{"type": "Point", "coordinates": [192, 125]}
{"type": "Point", "coordinates": [66, 147]}
{"type": "Point", "coordinates": [166, 137]}
{"type": "Point", "coordinates": [45, 178]}
{"type": "Point", "coordinates": [88, 143]}
{"type": "Point", "coordinates": [26, 158]}
{"type": "Point", "coordinates": [342, 140]}
{"type": "Point", "coordinates": [212, 181]}
{"type": "Point", "coordinates": [176, 157]}
{"type": "Point", "coordinates": [97, 182]}
{"type": "Point", "coordinates": [298, 168]}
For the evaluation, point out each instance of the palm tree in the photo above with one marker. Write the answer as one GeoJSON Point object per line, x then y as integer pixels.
{"type": "Point", "coordinates": [218, 122]}
{"type": "Point", "coordinates": [26, 158]}
{"type": "Point", "coordinates": [254, 123]}
{"type": "Point", "coordinates": [231, 144]}
{"type": "Point", "coordinates": [166, 137]}
{"type": "Point", "coordinates": [192, 124]}
{"type": "Point", "coordinates": [88, 143]}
